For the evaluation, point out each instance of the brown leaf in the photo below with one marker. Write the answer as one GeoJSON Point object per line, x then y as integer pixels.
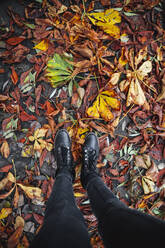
{"type": "Point", "coordinates": [3, 196]}
{"type": "Point", "coordinates": [32, 192]}
{"type": "Point", "coordinates": [16, 197]}
{"type": "Point", "coordinates": [3, 183]}
{"type": "Point", "coordinates": [148, 185]}
{"type": "Point", "coordinates": [19, 222]}
{"type": "Point", "coordinates": [152, 172]}
{"type": "Point", "coordinates": [14, 239]}
{"type": "Point", "coordinates": [5, 150]}
{"type": "Point", "coordinates": [143, 161]}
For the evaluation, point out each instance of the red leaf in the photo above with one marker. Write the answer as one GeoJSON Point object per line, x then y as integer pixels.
{"type": "Point", "coordinates": [38, 218]}
{"type": "Point", "coordinates": [6, 168]}
{"type": "Point", "coordinates": [15, 40]}
{"type": "Point", "coordinates": [14, 76]}
{"type": "Point", "coordinates": [38, 91]}
{"type": "Point", "coordinates": [26, 117]}
{"type": "Point", "coordinates": [15, 237]}
{"type": "Point", "coordinates": [2, 70]}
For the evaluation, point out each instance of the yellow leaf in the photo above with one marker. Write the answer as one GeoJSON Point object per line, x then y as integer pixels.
{"type": "Point", "coordinates": [77, 194]}
{"type": "Point", "coordinates": [122, 60]}
{"type": "Point", "coordinates": [3, 183]}
{"type": "Point", "coordinates": [11, 178]}
{"type": "Point", "coordinates": [115, 78]}
{"type": "Point", "coordinates": [106, 21]}
{"type": "Point", "coordinates": [5, 150]}
{"type": "Point", "coordinates": [49, 146]}
{"type": "Point", "coordinates": [41, 132]}
{"type": "Point", "coordinates": [31, 138]}
{"type": "Point", "coordinates": [37, 146]}
{"type": "Point", "coordinates": [31, 192]}
{"type": "Point", "coordinates": [148, 185]}
{"type": "Point", "coordinates": [27, 151]}
{"type": "Point", "coordinates": [101, 106]}
{"type": "Point", "coordinates": [5, 212]}
{"type": "Point", "coordinates": [43, 45]}
{"type": "Point", "coordinates": [19, 222]}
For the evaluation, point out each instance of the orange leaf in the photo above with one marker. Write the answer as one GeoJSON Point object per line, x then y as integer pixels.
{"type": "Point", "coordinates": [14, 76]}
{"type": "Point", "coordinates": [5, 150]}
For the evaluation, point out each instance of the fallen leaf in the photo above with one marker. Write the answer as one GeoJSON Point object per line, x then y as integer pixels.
{"type": "Point", "coordinates": [26, 117]}
{"type": "Point", "coordinates": [153, 172]}
{"type": "Point", "coordinates": [6, 168]}
{"type": "Point", "coordinates": [3, 183]}
{"type": "Point", "coordinates": [148, 185]}
{"type": "Point", "coordinates": [107, 20]}
{"type": "Point", "coordinates": [11, 178]}
{"type": "Point", "coordinates": [15, 238]}
{"type": "Point", "coordinates": [16, 198]}
{"type": "Point", "coordinates": [13, 41]}
{"type": "Point", "coordinates": [14, 76]}
{"type": "Point", "coordinates": [101, 107]}
{"type": "Point", "coordinates": [77, 194]}
{"type": "Point", "coordinates": [143, 161]}
{"type": "Point", "coordinates": [5, 212]}
{"type": "Point", "coordinates": [43, 45]}
{"type": "Point", "coordinates": [5, 150]}
{"type": "Point", "coordinates": [19, 222]}
{"type": "Point", "coordinates": [31, 192]}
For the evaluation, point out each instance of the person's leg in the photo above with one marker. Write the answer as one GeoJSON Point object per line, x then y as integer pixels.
{"type": "Point", "coordinates": [116, 222]}
{"type": "Point", "coordinates": [64, 225]}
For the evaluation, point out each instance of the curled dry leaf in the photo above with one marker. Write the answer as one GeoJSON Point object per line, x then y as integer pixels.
{"type": "Point", "coordinates": [153, 172]}
{"type": "Point", "coordinates": [143, 161]}
{"type": "Point", "coordinates": [31, 192]}
{"type": "Point", "coordinates": [135, 78]}
{"type": "Point", "coordinates": [19, 222]}
{"type": "Point", "coordinates": [148, 185]}
{"type": "Point", "coordinates": [5, 150]}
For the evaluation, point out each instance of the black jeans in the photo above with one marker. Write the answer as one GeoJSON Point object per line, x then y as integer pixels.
{"type": "Point", "coordinates": [119, 226]}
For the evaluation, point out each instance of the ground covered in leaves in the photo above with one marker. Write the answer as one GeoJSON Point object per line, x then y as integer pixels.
{"type": "Point", "coordinates": [85, 66]}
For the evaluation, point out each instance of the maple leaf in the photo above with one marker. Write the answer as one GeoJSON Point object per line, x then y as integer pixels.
{"type": "Point", "coordinates": [135, 77]}
{"type": "Point", "coordinates": [107, 20]}
{"type": "Point", "coordinates": [101, 107]}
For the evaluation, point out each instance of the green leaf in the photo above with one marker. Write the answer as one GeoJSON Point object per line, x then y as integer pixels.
{"type": "Point", "coordinates": [130, 14]}
{"type": "Point", "coordinates": [59, 69]}
{"type": "Point", "coordinates": [29, 25]}
{"type": "Point", "coordinates": [70, 88]}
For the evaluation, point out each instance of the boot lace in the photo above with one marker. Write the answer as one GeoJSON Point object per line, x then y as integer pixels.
{"type": "Point", "coordinates": [90, 159]}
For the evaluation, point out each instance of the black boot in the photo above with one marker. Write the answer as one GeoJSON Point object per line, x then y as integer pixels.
{"type": "Point", "coordinates": [90, 156]}
{"type": "Point", "coordinates": [63, 155]}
